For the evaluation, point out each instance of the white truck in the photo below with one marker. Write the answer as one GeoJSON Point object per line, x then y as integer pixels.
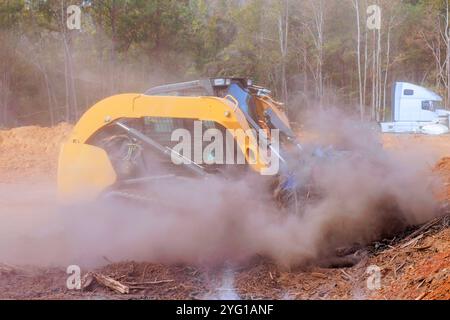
{"type": "Point", "coordinates": [416, 109]}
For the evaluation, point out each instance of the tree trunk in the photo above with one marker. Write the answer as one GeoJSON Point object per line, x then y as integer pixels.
{"type": "Point", "coordinates": [366, 38]}
{"type": "Point", "coordinates": [358, 52]}
{"type": "Point", "coordinates": [283, 30]}
{"type": "Point", "coordinates": [447, 53]}
{"type": "Point", "coordinates": [378, 73]}
{"type": "Point", "coordinates": [386, 73]}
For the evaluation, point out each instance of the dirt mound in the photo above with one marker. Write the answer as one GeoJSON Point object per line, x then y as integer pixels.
{"type": "Point", "coordinates": [417, 268]}
{"type": "Point", "coordinates": [28, 152]}
{"type": "Point", "coordinates": [442, 168]}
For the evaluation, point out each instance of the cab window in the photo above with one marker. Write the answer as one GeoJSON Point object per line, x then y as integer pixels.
{"type": "Point", "coordinates": [428, 105]}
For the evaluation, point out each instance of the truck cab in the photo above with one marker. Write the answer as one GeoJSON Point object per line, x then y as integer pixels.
{"type": "Point", "coordinates": [416, 109]}
{"type": "Point", "coordinates": [415, 103]}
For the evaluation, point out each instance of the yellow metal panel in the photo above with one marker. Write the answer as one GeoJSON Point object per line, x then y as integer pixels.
{"type": "Point", "coordinates": [136, 106]}
{"type": "Point", "coordinates": [84, 171]}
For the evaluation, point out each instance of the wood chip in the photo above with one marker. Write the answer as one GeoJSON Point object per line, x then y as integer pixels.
{"type": "Point", "coordinates": [421, 283]}
{"type": "Point", "coordinates": [143, 273]}
{"type": "Point", "coordinates": [347, 276]}
{"type": "Point", "coordinates": [398, 269]}
{"type": "Point", "coordinates": [421, 296]}
{"type": "Point", "coordinates": [393, 257]}
{"type": "Point", "coordinates": [111, 283]}
{"type": "Point", "coordinates": [87, 280]}
{"type": "Point", "coordinates": [422, 248]}
{"type": "Point", "coordinates": [414, 240]}
{"type": "Point", "coordinates": [4, 268]}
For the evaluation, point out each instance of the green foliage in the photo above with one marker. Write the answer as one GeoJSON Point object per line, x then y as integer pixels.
{"type": "Point", "coordinates": [10, 14]}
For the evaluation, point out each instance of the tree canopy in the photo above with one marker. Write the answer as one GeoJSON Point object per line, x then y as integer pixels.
{"type": "Point", "coordinates": [311, 53]}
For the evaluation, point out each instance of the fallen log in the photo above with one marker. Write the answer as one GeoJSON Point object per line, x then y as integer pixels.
{"type": "Point", "coordinates": [111, 283]}
{"type": "Point", "coordinates": [149, 282]}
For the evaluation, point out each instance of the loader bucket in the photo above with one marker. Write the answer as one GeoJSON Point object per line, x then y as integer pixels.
{"type": "Point", "coordinates": [84, 171]}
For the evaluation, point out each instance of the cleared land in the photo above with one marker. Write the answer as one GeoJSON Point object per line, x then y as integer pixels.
{"type": "Point", "coordinates": [413, 265]}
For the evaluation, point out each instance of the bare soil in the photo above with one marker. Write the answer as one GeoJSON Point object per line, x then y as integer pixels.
{"type": "Point", "coordinates": [411, 268]}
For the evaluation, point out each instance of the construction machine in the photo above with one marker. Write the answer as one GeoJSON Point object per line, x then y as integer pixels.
{"type": "Point", "coordinates": [126, 140]}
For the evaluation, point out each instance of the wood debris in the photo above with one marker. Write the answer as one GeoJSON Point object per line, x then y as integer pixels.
{"type": "Point", "coordinates": [412, 241]}
{"type": "Point", "coordinates": [149, 282]}
{"type": "Point", "coordinates": [421, 296]}
{"type": "Point", "coordinates": [5, 268]}
{"type": "Point", "coordinates": [105, 281]}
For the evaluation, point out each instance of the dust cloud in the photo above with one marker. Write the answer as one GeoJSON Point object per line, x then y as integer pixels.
{"type": "Point", "coordinates": [364, 193]}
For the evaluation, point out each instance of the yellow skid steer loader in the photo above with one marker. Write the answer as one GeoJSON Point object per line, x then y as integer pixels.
{"type": "Point", "coordinates": [128, 139]}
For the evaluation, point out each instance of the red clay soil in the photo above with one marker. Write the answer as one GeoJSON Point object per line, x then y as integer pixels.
{"type": "Point", "coordinates": [419, 271]}
{"type": "Point", "coordinates": [443, 169]}
{"type": "Point", "coordinates": [412, 269]}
